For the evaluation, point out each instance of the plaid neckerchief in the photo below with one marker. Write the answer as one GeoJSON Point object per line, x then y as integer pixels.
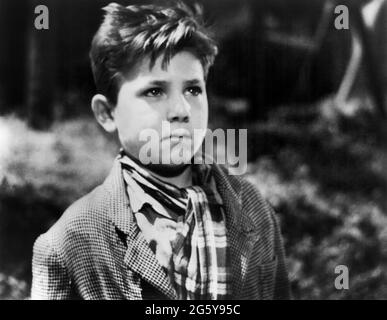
{"type": "Point", "coordinates": [199, 250]}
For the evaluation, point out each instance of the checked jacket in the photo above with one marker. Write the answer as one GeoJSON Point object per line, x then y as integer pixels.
{"type": "Point", "coordinates": [96, 250]}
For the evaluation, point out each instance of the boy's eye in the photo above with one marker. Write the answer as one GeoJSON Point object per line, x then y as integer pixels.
{"type": "Point", "coordinates": [195, 90]}
{"type": "Point", "coordinates": [153, 92]}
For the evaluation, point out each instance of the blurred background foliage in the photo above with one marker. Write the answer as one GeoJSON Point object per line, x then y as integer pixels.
{"type": "Point", "coordinates": [319, 160]}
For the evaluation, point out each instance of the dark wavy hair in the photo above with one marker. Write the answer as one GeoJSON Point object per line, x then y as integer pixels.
{"type": "Point", "coordinates": [129, 34]}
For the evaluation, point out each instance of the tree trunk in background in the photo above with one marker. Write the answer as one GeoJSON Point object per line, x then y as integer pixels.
{"type": "Point", "coordinates": [41, 69]}
{"type": "Point", "coordinates": [256, 56]}
{"type": "Point", "coordinates": [3, 55]}
{"type": "Point", "coordinates": [13, 22]}
{"type": "Point", "coordinates": [374, 73]}
{"type": "Point", "coordinates": [381, 40]}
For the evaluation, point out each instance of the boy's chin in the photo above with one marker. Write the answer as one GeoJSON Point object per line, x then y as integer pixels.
{"type": "Point", "coordinates": [168, 170]}
{"type": "Point", "coordinates": [176, 157]}
{"type": "Point", "coordinates": [172, 165]}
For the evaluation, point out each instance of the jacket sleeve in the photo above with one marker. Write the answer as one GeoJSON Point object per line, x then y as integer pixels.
{"type": "Point", "coordinates": [282, 286]}
{"type": "Point", "coordinates": [50, 280]}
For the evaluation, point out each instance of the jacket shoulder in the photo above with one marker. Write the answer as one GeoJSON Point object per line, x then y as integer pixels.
{"type": "Point", "coordinates": [254, 207]}
{"type": "Point", "coordinates": [85, 219]}
{"type": "Point", "coordinates": [252, 198]}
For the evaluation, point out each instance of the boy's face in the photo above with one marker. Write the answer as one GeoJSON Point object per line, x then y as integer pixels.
{"type": "Point", "coordinates": [175, 95]}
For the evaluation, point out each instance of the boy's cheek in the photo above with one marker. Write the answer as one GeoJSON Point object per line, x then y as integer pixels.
{"type": "Point", "coordinates": [131, 145]}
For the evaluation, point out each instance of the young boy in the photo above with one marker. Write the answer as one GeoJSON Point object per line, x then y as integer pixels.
{"type": "Point", "coordinates": [167, 229]}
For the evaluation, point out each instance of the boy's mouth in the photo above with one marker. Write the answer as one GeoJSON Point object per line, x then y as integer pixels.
{"type": "Point", "coordinates": [176, 139]}
{"type": "Point", "coordinates": [179, 134]}
{"type": "Point", "coordinates": [173, 136]}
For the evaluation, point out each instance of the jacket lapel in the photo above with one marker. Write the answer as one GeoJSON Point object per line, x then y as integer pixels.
{"type": "Point", "coordinates": [241, 236]}
{"type": "Point", "coordinates": [139, 257]}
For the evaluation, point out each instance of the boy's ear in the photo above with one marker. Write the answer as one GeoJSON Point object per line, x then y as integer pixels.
{"type": "Point", "coordinates": [102, 110]}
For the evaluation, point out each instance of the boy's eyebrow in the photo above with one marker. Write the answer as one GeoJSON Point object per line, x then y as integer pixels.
{"type": "Point", "coordinates": [158, 83]}
{"type": "Point", "coordinates": [192, 82]}
{"type": "Point", "coordinates": [164, 83]}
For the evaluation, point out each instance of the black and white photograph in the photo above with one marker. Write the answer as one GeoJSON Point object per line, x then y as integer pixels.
{"type": "Point", "coordinates": [193, 150]}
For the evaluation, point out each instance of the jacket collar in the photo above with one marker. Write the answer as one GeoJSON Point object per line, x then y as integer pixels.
{"type": "Point", "coordinates": [139, 257]}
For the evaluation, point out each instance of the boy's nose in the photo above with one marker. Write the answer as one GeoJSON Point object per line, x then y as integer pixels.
{"type": "Point", "coordinates": [179, 110]}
